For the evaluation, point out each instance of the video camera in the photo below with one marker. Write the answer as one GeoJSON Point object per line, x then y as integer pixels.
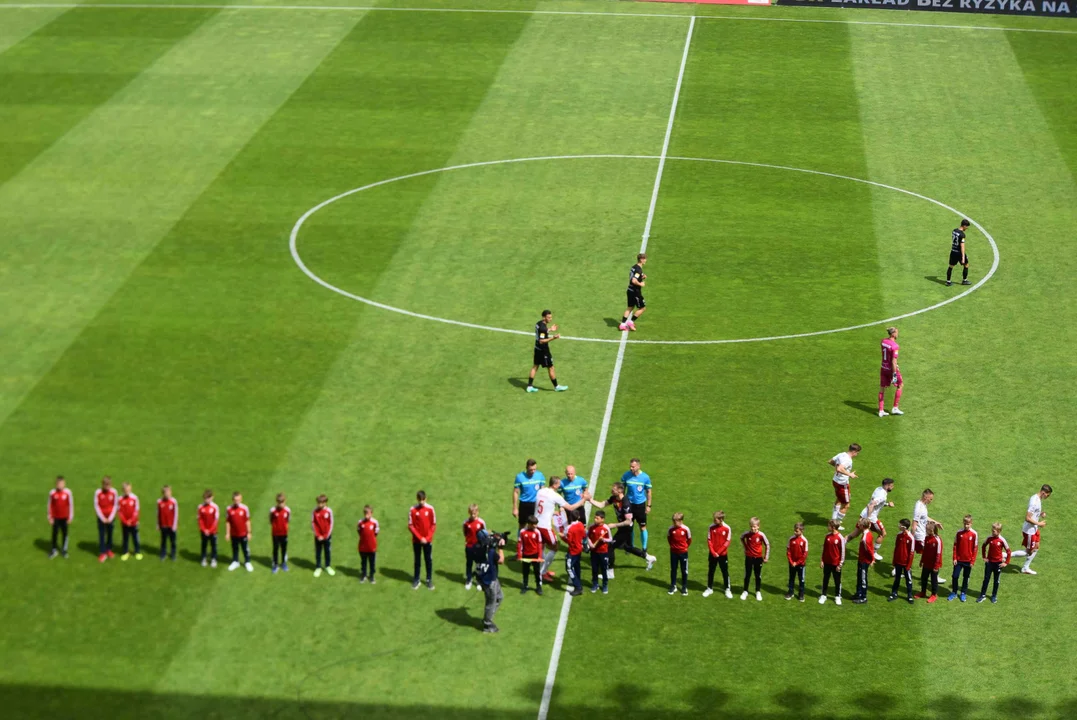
{"type": "Point", "coordinates": [488, 540]}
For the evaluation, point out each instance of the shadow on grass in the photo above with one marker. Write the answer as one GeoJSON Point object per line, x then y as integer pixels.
{"type": "Point", "coordinates": [936, 279]}
{"type": "Point", "coordinates": [813, 519]}
{"type": "Point", "coordinates": [520, 383]}
{"type": "Point", "coordinates": [44, 545]}
{"type": "Point", "coordinates": [396, 574]}
{"type": "Point", "coordinates": [90, 547]}
{"type": "Point", "coordinates": [623, 700]}
{"type": "Point", "coordinates": [613, 322]}
{"type": "Point", "coordinates": [871, 408]}
{"type": "Point", "coordinates": [459, 616]}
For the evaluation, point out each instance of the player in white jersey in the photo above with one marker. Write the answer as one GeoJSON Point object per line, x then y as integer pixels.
{"type": "Point", "coordinates": [843, 472]}
{"type": "Point", "coordinates": [547, 504]}
{"type": "Point", "coordinates": [920, 519]}
{"type": "Point", "coordinates": [871, 512]}
{"type": "Point", "coordinates": [1030, 531]}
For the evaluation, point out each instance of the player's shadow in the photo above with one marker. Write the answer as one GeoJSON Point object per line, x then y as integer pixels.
{"type": "Point", "coordinates": [935, 279]}
{"type": "Point", "coordinates": [454, 578]}
{"type": "Point", "coordinates": [263, 560]}
{"type": "Point", "coordinates": [347, 571]}
{"type": "Point", "coordinates": [190, 556]}
{"type": "Point", "coordinates": [43, 545]}
{"type": "Point", "coordinates": [658, 581]}
{"type": "Point", "coordinates": [870, 408]}
{"type": "Point", "coordinates": [301, 563]}
{"type": "Point", "coordinates": [521, 383]}
{"type": "Point", "coordinates": [459, 616]}
{"type": "Point", "coordinates": [613, 322]}
{"type": "Point", "coordinates": [90, 547]}
{"type": "Point", "coordinates": [396, 574]}
{"type": "Point", "coordinates": [814, 519]}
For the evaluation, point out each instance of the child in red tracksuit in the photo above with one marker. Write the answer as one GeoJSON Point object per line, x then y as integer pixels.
{"type": "Point", "coordinates": [966, 545]}
{"type": "Point", "coordinates": [931, 562]}
{"type": "Point", "coordinates": [833, 559]}
{"type": "Point", "coordinates": [904, 552]}
{"type": "Point", "coordinates": [680, 539]}
{"type": "Point", "coordinates": [996, 554]}
{"type": "Point", "coordinates": [865, 558]}
{"type": "Point", "coordinates": [531, 553]}
{"type": "Point", "coordinates": [796, 552]}
{"type": "Point", "coordinates": [718, 554]}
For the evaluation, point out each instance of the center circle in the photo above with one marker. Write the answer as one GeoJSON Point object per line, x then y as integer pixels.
{"type": "Point", "coordinates": [294, 247]}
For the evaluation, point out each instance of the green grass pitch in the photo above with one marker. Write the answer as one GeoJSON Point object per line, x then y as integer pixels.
{"type": "Point", "coordinates": [155, 327]}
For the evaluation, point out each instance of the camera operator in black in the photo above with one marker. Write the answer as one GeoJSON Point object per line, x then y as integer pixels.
{"type": "Point", "coordinates": [491, 556]}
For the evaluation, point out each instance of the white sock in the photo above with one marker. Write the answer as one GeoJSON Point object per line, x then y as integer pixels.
{"type": "Point", "coordinates": [1030, 558]}
{"type": "Point", "coordinates": [836, 514]}
{"type": "Point", "coordinates": [547, 560]}
{"type": "Point", "coordinates": [841, 516]}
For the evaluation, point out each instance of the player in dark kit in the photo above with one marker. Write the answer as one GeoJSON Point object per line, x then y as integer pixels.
{"type": "Point", "coordinates": [636, 304]}
{"type": "Point", "coordinates": [622, 539]}
{"type": "Point", "coordinates": [958, 256]}
{"type": "Point", "coordinates": [543, 356]}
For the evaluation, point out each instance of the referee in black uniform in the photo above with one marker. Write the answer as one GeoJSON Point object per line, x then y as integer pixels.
{"type": "Point", "coordinates": [958, 256]}
{"type": "Point", "coordinates": [543, 356]}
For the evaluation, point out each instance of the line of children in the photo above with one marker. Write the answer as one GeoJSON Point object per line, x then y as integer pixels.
{"type": "Point", "coordinates": [596, 538]}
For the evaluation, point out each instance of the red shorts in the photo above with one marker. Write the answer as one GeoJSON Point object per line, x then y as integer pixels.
{"type": "Point", "coordinates": [1030, 541]}
{"type": "Point", "coordinates": [919, 547]}
{"type": "Point", "coordinates": [889, 377]}
{"type": "Point", "coordinates": [841, 493]}
{"type": "Point", "coordinates": [878, 527]}
{"type": "Point", "coordinates": [548, 538]}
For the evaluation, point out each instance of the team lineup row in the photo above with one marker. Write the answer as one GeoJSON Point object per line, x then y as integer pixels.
{"type": "Point", "coordinates": [539, 504]}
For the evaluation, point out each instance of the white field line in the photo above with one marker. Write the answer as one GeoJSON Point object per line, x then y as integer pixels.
{"type": "Point", "coordinates": [365, 8]}
{"type": "Point", "coordinates": [665, 142]}
{"type": "Point", "coordinates": [596, 466]}
{"type": "Point", "coordinates": [294, 239]}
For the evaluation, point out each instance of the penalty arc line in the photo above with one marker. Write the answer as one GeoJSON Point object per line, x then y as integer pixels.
{"type": "Point", "coordinates": [566, 605]}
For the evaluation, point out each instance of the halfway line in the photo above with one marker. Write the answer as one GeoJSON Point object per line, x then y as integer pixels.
{"type": "Point", "coordinates": [596, 466]}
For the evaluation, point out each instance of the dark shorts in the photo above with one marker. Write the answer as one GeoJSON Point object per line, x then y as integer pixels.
{"type": "Point", "coordinates": [543, 358]}
{"type": "Point", "coordinates": [527, 509]}
{"type": "Point", "coordinates": [577, 514]}
{"type": "Point", "coordinates": [639, 513]}
{"type": "Point", "coordinates": [635, 300]}
{"type": "Point", "coordinates": [955, 258]}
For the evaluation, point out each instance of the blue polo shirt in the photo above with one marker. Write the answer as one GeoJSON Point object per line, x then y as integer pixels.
{"type": "Point", "coordinates": [573, 491]}
{"type": "Point", "coordinates": [529, 486]}
{"type": "Point", "coordinates": [636, 487]}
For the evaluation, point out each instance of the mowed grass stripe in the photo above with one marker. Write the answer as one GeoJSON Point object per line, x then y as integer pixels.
{"type": "Point", "coordinates": [992, 373]}
{"type": "Point", "coordinates": [455, 415]}
{"type": "Point", "coordinates": [19, 24]}
{"type": "Point", "coordinates": [746, 429]}
{"type": "Point", "coordinates": [86, 211]}
{"type": "Point", "coordinates": [57, 76]}
{"type": "Point", "coordinates": [125, 196]}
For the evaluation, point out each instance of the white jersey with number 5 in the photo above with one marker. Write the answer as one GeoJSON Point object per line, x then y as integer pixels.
{"type": "Point", "coordinates": [546, 505]}
{"type": "Point", "coordinates": [1035, 507]}
{"type": "Point", "coordinates": [919, 521]}
{"type": "Point", "coordinates": [878, 501]}
{"type": "Point", "coordinates": [844, 460]}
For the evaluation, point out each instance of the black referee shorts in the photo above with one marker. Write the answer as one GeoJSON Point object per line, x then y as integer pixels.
{"type": "Point", "coordinates": [527, 509]}
{"type": "Point", "coordinates": [543, 358]}
{"type": "Point", "coordinates": [955, 258]}
{"type": "Point", "coordinates": [639, 514]}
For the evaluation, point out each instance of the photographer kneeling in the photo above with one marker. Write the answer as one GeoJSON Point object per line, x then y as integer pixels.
{"type": "Point", "coordinates": [491, 556]}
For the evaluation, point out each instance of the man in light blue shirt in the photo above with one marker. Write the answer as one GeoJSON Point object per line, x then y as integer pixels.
{"type": "Point", "coordinates": [525, 492]}
{"type": "Point", "coordinates": [572, 487]}
{"type": "Point", "coordinates": [638, 486]}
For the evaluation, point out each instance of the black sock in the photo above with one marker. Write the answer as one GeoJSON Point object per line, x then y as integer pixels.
{"type": "Point", "coordinates": [554, 381]}
{"type": "Point", "coordinates": [635, 317]}
{"type": "Point", "coordinates": [530, 382]}
{"type": "Point", "coordinates": [949, 273]}
{"type": "Point", "coordinates": [964, 273]}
